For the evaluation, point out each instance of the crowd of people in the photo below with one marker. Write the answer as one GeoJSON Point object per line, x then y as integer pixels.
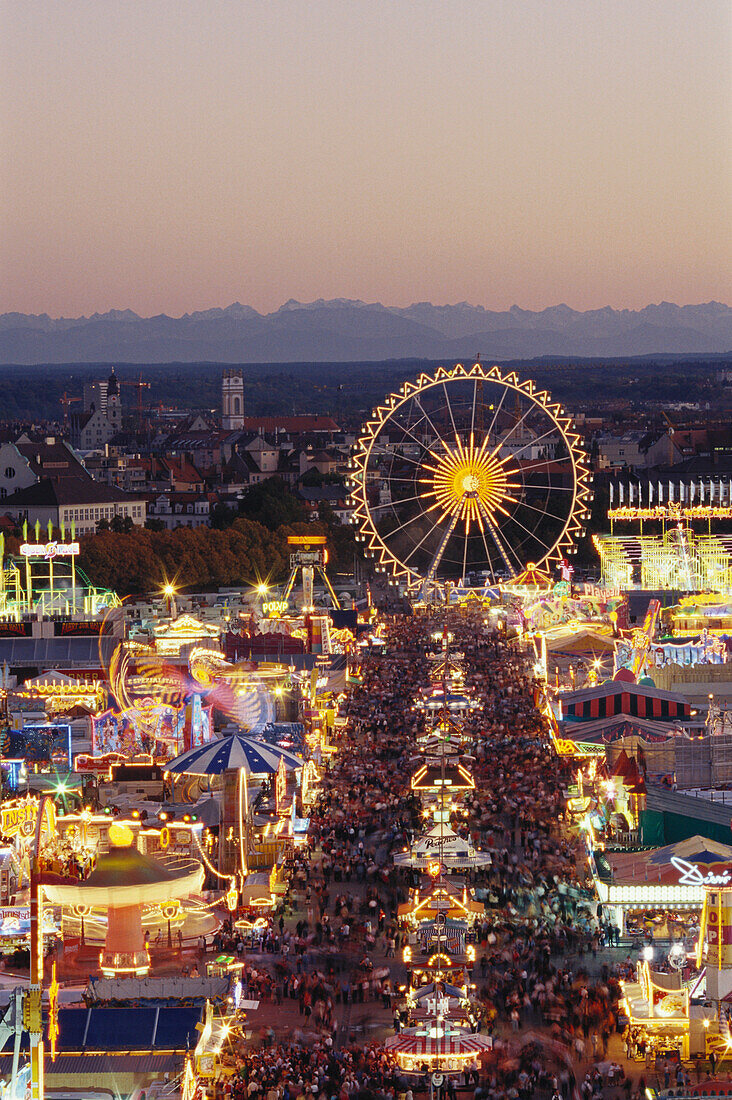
{"type": "Point", "coordinates": [539, 931]}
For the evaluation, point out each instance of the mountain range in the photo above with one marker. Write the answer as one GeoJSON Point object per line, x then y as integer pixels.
{"type": "Point", "coordinates": [342, 330]}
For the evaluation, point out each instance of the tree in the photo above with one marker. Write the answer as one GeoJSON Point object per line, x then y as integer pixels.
{"type": "Point", "coordinates": [271, 503]}
{"type": "Point", "coordinates": [222, 516]}
{"type": "Point", "coordinates": [140, 560]}
{"type": "Point", "coordinates": [313, 476]}
{"type": "Point", "coordinates": [326, 514]}
{"type": "Point", "coordinates": [121, 524]}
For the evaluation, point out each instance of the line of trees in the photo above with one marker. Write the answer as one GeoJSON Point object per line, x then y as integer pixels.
{"type": "Point", "coordinates": [199, 558]}
{"type": "Point", "coordinates": [243, 553]}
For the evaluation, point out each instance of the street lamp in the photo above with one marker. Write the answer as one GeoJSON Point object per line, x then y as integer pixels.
{"type": "Point", "coordinates": [169, 591]}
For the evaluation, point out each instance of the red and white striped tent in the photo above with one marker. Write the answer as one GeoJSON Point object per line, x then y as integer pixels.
{"type": "Point", "coordinates": [438, 1045]}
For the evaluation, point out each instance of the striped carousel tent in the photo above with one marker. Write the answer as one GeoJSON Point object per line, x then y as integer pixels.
{"type": "Point", "coordinates": [232, 753]}
{"type": "Point", "coordinates": [438, 1044]}
{"type": "Point", "coordinates": [616, 697]}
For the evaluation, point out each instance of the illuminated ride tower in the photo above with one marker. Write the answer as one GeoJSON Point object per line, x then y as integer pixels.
{"type": "Point", "coordinates": [308, 555]}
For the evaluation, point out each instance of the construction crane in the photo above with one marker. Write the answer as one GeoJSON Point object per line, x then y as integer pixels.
{"type": "Point", "coordinates": [479, 404]}
{"type": "Point", "coordinates": [65, 401]}
{"type": "Point", "coordinates": [139, 385]}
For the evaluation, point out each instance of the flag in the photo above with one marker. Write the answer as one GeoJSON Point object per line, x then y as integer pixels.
{"type": "Point", "coordinates": [620, 492]}
{"type": "Point", "coordinates": [670, 491]}
{"type": "Point", "coordinates": [660, 493]}
{"type": "Point", "coordinates": [612, 487]}
{"type": "Point", "coordinates": [650, 493]}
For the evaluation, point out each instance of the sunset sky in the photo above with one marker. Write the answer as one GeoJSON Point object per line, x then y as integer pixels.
{"type": "Point", "coordinates": [171, 156]}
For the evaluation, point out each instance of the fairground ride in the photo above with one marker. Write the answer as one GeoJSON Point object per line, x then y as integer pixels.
{"type": "Point", "coordinates": [468, 470]}
{"type": "Point", "coordinates": [675, 557]}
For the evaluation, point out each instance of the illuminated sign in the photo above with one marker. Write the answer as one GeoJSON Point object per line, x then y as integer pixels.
{"type": "Point", "coordinates": [672, 511]}
{"type": "Point", "coordinates": [75, 628]}
{"type": "Point", "coordinates": [18, 913]}
{"type": "Point", "coordinates": [49, 549]}
{"type": "Point", "coordinates": [275, 607]}
{"type": "Point", "coordinates": [22, 630]}
{"type": "Point", "coordinates": [280, 786]}
{"type": "Point", "coordinates": [306, 540]}
{"type": "Point", "coordinates": [53, 1013]}
{"type": "Point", "coordinates": [19, 818]}
{"type": "Point", "coordinates": [692, 875]}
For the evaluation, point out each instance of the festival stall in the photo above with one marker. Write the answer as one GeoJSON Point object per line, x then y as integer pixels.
{"type": "Point", "coordinates": [659, 890]}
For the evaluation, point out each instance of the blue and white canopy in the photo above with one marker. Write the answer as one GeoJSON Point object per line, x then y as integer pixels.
{"type": "Point", "coordinates": [231, 754]}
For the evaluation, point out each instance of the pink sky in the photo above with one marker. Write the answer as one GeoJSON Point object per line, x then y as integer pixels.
{"type": "Point", "coordinates": [170, 156]}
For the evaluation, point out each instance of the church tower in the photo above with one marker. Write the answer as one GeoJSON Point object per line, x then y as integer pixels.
{"type": "Point", "coordinates": [232, 396]}
{"type": "Point", "coordinates": [114, 405]}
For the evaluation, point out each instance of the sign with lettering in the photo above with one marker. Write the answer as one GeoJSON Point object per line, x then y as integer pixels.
{"type": "Point", "coordinates": [81, 629]}
{"type": "Point", "coordinates": [19, 913]}
{"type": "Point", "coordinates": [275, 607]}
{"type": "Point", "coordinates": [690, 874]}
{"type": "Point", "coordinates": [19, 818]}
{"type": "Point", "coordinates": [438, 1006]}
{"type": "Point", "coordinates": [49, 549]}
{"type": "Point", "coordinates": [16, 630]}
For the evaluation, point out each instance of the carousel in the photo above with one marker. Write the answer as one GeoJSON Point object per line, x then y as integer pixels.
{"type": "Point", "coordinates": [124, 883]}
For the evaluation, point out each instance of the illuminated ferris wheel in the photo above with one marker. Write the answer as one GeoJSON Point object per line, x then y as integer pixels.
{"type": "Point", "coordinates": [468, 470]}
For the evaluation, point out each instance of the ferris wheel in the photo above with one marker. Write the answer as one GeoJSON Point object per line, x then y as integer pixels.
{"type": "Point", "coordinates": [468, 470]}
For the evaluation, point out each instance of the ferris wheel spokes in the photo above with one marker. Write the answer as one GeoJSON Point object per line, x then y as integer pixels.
{"type": "Point", "coordinates": [430, 576]}
{"type": "Point", "coordinates": [499, 543]}
{"type": "Point", "coordinates": [449, 409]}
{"type": "Point", "coordinates": [496, 413]}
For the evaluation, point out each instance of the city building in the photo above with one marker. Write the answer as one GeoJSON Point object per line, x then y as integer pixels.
{"type": "Point", "coordinates": [82, 501]}
{"type": "Point", "coordinates": [101, 418]}
{"type": "Point", "coordinates": [28, 460]}
{"type": "Point", "coordinates": [232, 399]}
{"type": "Point", "coordinates": [182, 509]}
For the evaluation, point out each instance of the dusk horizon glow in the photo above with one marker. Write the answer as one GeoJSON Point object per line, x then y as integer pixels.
{"type": "Point", "coordinates": [167, 159]}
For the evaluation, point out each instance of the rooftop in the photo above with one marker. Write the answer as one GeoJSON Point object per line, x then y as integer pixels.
{"type": "Point", "coordinates": [54, 491]}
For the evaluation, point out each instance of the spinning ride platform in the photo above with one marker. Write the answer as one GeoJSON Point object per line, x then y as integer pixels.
{"type": "Point", "coordinates": [125, 882]}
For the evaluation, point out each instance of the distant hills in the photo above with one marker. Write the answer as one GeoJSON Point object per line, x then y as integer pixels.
{"type": "Point", "coordinates": [344, 330]}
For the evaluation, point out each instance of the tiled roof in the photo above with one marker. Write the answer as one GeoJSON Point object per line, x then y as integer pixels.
{"type": "Point", "coordinates": [53, 491]}
{"type": "Point", "coordinates": [291, 424]}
